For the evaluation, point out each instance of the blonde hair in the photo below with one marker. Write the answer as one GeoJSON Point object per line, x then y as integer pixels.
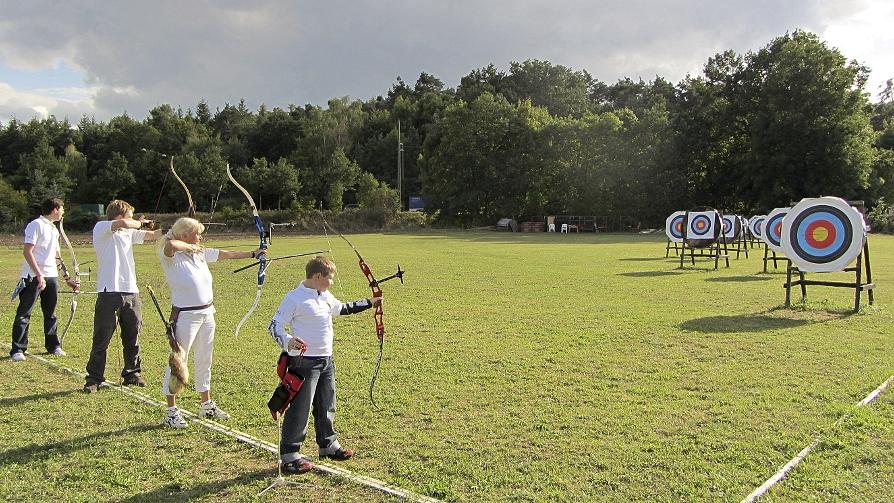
{"type": "Point", "coordinates": [185, 226]}
{"type": "Point", "coordinates": [320, 264]}
{"type": "Point", "coordinates": [117, 208]}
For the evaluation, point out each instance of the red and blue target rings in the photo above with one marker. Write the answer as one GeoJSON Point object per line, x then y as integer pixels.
{"type": "Point", "coordinates": [701, 227]}
{"type": "Point", "coordinates": [821, 234]}
{"type": "Point", "coordinates": [674, 226]}
{"type": "Point", "coordinates": [773, 228]}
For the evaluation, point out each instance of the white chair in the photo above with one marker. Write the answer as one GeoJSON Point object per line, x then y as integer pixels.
{"type": "Point", "coordinates": [565, 228]}
{"type": "Point", "coordinates": [552, 228]}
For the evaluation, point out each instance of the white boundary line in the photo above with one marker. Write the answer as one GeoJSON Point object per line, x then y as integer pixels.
{"type": "Point", "coordinates": [252, 441]}
{"type": "Point", "coordinates": [788, 467]}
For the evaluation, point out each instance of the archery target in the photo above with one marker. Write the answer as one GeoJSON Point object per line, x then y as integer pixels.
{"type": "Point", "coordinates": [773, 229]}
{"type": "Point", "coordinates": [673, 226]}
{"type": "Point", "coordinates": [823, 234]}
{"type": "Point", "coordinates": [756, 225]}
{"type": "Point", "coordinates": [701, 225]}
{"type": "Point", "coordinates": [731, 226]}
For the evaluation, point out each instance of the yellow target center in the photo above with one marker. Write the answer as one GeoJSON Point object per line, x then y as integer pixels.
{"type": "Point", "coordinates": [820, 234]}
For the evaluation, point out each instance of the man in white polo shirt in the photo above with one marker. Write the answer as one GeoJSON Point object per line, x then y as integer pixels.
{"type": "Point", "coordinates": [39, 278]}
{"type": "Point", "coordinates": [118, 301]}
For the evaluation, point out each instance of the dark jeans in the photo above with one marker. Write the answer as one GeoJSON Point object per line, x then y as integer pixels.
{"type": "Point", "coordinates": [27, 299]}
{"type": "Point", "coordinates": [318, 391]}
{"type": "Point", "coordinates": [115, 308]}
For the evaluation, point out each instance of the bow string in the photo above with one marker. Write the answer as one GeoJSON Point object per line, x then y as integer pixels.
{"type": "Point", "coordinates": [76, 268]}
{"type": "Point", "coordinates": [379, 313]}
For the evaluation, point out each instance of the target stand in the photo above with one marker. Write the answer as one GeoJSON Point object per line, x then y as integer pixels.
{"type": "Point", "coordinates": [774, 258]}
{"type": "Point", "coordinates": [672, 245]}
{"type": "Point", "coordinates": [826, 234]}
{"type": "Point", "coordinates": [771, 234]}
{"type": "Point", "coordinates": [858, 285]}
{"type": "Point", "coordinates": [734, 230]}
{"type": "Point", "coordinates": [702, 232]}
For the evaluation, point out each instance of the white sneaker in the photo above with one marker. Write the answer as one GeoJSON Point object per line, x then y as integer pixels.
{"type": "Point", "coordinates": [174, 418]}
{"type": "Point", "coordinates": [58, 352]}
{"type": "Point", "coordinates": [210, 409]}
{"type": "Point", "coordinates": [18, 356]}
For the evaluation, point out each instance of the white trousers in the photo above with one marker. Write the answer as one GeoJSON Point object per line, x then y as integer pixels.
{"type": "Point", "coordinates": [194, 332]}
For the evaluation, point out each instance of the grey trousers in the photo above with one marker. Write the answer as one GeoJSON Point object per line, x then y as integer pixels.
{"type": "Point", "coordinates": [113, 308]}
{"type": "Point", "coordinates": [316, 395]}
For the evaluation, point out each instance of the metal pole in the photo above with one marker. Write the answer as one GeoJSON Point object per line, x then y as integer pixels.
{"type": "Point", "coordinates": [400, 169]}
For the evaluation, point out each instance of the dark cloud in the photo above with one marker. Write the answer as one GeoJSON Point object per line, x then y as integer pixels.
{"type": "Point", "coordinates": [280, 52]}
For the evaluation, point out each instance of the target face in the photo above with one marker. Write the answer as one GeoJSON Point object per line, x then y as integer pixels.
{"type": "Point", "coordinates": [673, 226]}
{"type": "Point", "coordinates": [773, 229]}
{"type": "Point", "coordinates": [731, 225]}
{"type": "Point", "coordinates": [823, 234]}
{"type": "Point", "coordinates": [756, 225]}
{"type": "Point", "coordinates": [701, 225]}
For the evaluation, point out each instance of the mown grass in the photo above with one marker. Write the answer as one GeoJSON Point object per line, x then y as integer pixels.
{"type": "Point", "coordinates": [523, 367]}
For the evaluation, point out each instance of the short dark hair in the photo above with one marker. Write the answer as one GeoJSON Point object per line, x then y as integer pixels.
{"type": "Point", "coordinates": [50, 204]}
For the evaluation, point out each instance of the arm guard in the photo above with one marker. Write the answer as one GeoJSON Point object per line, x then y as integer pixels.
{"type": "Point", "coordinates": [355, 307]}
{"type": "Point", "coordinates": [280, 336]}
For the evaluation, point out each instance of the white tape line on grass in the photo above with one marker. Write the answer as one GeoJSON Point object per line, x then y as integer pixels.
{"type": "Point", "coordinates": [781, 474]}
{"type": "Point", "coordinates": [250, 440]}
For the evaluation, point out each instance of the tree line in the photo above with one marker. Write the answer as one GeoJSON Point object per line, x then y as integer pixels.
{"type": "Point", "coordinates": [751, 133]}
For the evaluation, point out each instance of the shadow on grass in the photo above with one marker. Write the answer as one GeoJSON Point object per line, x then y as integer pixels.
{"type": "Point", "coordinates": [740, 279]}
{"type": "Point", "coordinates": [648, 274]}
{"type": "Point", "coordinates": [175, 492]}
{"type": "Point", "coordinates": [39, 452]}
{"type": "Point", "coordinates": [741, 323]}
{"type": "Point", "coordinates": [18, 400]}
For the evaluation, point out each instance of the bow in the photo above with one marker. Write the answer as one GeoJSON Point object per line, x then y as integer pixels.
{"type": "Point", "coordinates": [76, 268]}
{"type": "Point", "coordinates": [191, 212]}
{"type": "Point", "coordinates": [379, 313]}
{"type": "Point", "coordinates": [262, 259]}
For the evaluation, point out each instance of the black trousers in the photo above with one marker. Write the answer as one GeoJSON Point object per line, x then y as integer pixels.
{"type": "Point", "coordinates": [27, 299]}
{"type": "Point", "coordinates": [112, 309]}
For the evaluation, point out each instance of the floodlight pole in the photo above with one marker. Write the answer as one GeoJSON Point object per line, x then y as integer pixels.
{"type": "Point", "coordinates": [400, 168]}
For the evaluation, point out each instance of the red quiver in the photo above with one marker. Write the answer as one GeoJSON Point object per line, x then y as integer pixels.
{"type": "Point", "coordinates": [289, 384]}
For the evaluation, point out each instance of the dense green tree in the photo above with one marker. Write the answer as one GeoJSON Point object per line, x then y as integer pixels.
{"type": "Point", "coordinates": [13, 205]}
{"type": "Point", "coordinates": [801, 105]}
{"type": "Point", "coordinates": [480, 164]}
{"type": "Point", "coordinates": [559, 89]}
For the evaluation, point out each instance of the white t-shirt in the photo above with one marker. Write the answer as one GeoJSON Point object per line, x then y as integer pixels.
{"type": "Point", "coordinates": [309, 313]}
{"type": "Point", "coordinates": [189, 278]}
{"type": "Point", "coordinates": [41, 233]}
{"type": "Point", "coordinates": [114, 255]}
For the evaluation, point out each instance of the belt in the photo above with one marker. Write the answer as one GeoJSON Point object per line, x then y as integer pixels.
{"type": "Point", "coordinates": [175, 311]}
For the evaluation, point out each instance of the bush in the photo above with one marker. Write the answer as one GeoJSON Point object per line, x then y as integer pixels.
{"type": "Point", "coordinates": [881, 218]}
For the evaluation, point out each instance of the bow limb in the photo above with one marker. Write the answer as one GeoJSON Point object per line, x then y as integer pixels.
{"type": "Point", "coordinates": [191, 212]}
{"type": "Point", "coordinates": [76, 269]}
{"type": "Point", "coordinates": [379, 313]}
{"type": "Point", "coordinates": [262, 260]}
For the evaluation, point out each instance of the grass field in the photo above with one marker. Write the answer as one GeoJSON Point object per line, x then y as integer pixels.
{"type": "Point", "coordinates": [522, 367]}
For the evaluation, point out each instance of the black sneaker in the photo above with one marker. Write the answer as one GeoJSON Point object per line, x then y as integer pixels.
{"type": "Point", "coordinates": [337, 455]}
{"type": "Point", "coordinates": [91, 388]}
{"type": "Point", "coordinates": [300, 465]}
{"type": "Point", "coordinates": [134, 380]}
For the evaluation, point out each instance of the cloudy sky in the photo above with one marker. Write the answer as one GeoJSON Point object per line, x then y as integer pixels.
{"type": "Point", "coordinates": [105, 58]}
